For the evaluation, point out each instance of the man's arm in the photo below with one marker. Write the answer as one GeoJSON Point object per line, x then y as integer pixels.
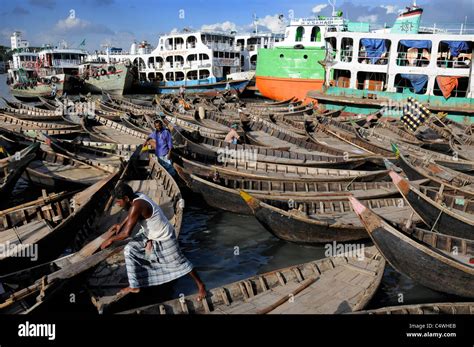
{"type": "Point", "coordinates": [129, 223]}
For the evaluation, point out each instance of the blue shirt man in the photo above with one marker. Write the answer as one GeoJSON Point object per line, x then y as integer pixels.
{"type": "Point", "coordinates": [162, 142]}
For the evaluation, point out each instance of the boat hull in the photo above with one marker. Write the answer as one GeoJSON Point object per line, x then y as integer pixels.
{"type": "Point", "coordinates": [412, 259]}
{"type": "Point", "coordinates": [276, 88]}
{"type": "Point", "coordinates": [115, 83]}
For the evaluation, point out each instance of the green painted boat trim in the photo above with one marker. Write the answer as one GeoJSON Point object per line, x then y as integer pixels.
{"type": "Point", "coordinates": [466, 104]}
{"type": "Point", "coordinates": [281, 62]}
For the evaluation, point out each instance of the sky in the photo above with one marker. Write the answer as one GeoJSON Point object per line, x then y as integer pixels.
{"type": "Point", "coordinates": [119, 22]}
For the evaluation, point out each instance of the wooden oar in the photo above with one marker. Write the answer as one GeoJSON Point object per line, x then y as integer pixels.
{"type": "Point", "coordinates": [280, 302]}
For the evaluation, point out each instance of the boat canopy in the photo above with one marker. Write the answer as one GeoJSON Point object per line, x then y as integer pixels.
{"type": "Point", "coordinates": [418, 82]}
{"type": "Point", "coordinates": [421, 44]}
{"type": "Point", "coordinates": [374, 48]}
{"type": "Point", "coordinates": [455, 47]}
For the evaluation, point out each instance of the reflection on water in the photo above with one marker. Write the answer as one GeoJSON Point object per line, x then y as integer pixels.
{"type": "Point", "coordinates": [225, 248]}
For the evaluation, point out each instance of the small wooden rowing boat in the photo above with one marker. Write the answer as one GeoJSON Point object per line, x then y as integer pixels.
{"type": "Point", "coordinates": [427, 258]}
{"type": "Point", "coordinates": [322, 220]}
{"type": "Point", "coordinates": [450, 213]}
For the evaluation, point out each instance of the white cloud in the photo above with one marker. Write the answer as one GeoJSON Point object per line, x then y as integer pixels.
{"type": "Point", "coordinates": [272, 23]}
{"type": "Point", "coordinates": [389, 9]}
{"type": "Point", "coordinates": [225, 26]}
{"type": "Point", "coordinates": [370, 18]}
{"type": "Point", "coordinates": [319, 8]}
{"type": "Point", "coordinates": [80, 26]}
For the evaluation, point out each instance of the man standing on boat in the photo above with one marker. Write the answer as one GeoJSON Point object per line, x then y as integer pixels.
{"type": "Point", "coordinates": [153, 256]}
{"type": "Point", "coordinates": [162, 142]}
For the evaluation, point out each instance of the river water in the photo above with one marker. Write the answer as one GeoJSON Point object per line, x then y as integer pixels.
{"type": "Point", "coordinates": [225, 247]}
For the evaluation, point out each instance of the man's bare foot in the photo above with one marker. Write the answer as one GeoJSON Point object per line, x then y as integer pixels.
{"type": "Point", "coordinates": [202, 293]}
{"type": "Point", "coordinates": [129, 290]}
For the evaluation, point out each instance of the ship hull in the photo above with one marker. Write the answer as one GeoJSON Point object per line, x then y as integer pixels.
{"type": "Point", "coordinates": [203, 87]}
{"type": "Point", "coordinates": [283, 73]}
{"type": "Point", "coordinates": [115, 83]}
{"type": "Point", "coordinates": [286, 88]}
{"type": "Point", "coordinates": [44, 89]}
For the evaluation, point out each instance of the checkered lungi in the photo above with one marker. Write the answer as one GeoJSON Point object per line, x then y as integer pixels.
{"type": "Point", "coordinates": [164, 264]}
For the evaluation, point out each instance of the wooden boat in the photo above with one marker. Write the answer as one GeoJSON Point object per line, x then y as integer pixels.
{"type": "Point", "coordinates": [52, 278]}
{"type": "Point", "coordinates": [121, 150]}
{"type": "Point", "coordinates": [192, 127]}
{"type": "Point", "coordinates": [354, 279]}
{"type": "Point", "coordinates": [322, 134]}
{"type": "Point", "coordinates": [90, 155]}
{"type": "Point", "coordinates": [49, 226]}
{"type": "Point", "coordinates": [110, 131]}
{"type": "Point", "coordinates": [52, 128]}
{"type": "Point", "coordinates": [277, 172]}
{"type": "Point", "coordinates": [443, 308]}
{"type": "Point", "coordinates": [416, 168]}
{"type": "Point", "coordinates": [425, 257]}
{"type": "Point", "coordinates": [213, 150]}
{"type": "Point", "coordinates": [322, 220]}
{"type": "Point", "coordinates": [12, 167]}
{"type": "Point", "coordinates": [22, 111]}
{"type": "Point", "coordinates": [215, 191]}
{"type": "Point", "coordinates": [60, 171]}
{"type": "Point", "coordinates": [444, 212]}
{"type": "Point", "coordinates": [111, 276]}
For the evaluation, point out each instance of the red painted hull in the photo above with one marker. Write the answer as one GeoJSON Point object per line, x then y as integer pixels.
{"type": "Point", "coordinates": [285, 88]}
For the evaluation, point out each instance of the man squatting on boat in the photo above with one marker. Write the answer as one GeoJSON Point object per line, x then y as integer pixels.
{"type": "Point", "coordinates": [153, 256]}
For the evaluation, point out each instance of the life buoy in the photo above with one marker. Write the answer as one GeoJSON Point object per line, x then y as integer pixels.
{"type": "Point", "coordinates": [54, 79]}
{"type": "Point", "coordinates": [111, 69]}
{"type": "Point", "coordinates": [103, 72]}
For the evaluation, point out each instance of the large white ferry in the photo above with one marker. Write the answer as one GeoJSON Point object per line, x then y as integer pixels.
{"type": "Point", "coordinates": [198, 61]}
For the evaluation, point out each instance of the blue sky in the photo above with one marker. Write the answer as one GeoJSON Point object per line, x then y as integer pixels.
{"type": "Point", "coordinates": [119, 22]}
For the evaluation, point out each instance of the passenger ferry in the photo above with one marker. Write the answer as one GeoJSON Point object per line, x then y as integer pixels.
{"type": "Point", "coordinates": [48, 73]}
{"type": "Point", "coordinates": [200, 62]}
{"type": "Point", "coordinates": [368, 71]}
{"type": "Point", "coordinates": [291, 68]}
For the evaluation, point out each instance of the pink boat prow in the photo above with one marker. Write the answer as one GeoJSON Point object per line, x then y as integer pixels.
{"type": "Point", "coordinates": [357, 205]}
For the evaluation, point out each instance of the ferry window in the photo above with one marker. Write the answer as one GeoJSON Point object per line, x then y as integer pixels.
{"type": "Point", "coordinates": [191, 42]}
{"type": "Point", "coordinates": [178, 43]}
{"type": "Point", "coordinates": [347, 46]}
{"type": "Point", "coordinates": [170, 61]}
{"type": "Point", "coordinates": [203, 74]}
{"type": "Point", "coordinates": [192, 75]}
{"type": "Point", "coordinates": [241, 44]}
{"type": "Point", "coordinates": [299, 34]}
{"type": "Point", "coordinates": [451, 86]}
{"type": "Point", "coordinates": [159, 76]}
{"type": "Point", "coordinates": [374, 51]}
{"type": "Point", "coordinates": [342, 78]}
{"type": "Point", "coordinates": [216, 55]}
{"type": "Point", "coordinates": [253, 59]}
{"type": "Point", "coordinates": [203, 57]}
{"type": "Point", "coordinates": [179, 76]}
{"type": "Point", "coordinates": [414, 83]}
{"type": "Point", "coordinates": [170, 76]}
{"type": "Point", "coordinates": [371, 80]}
{"type": "Point", "coordinates": [454, 54]}
{"type": "Point", "coordinates": [221, 54]}
{"type": "Point", "coordinates": [56, 56]}
{"type": "Point", "coordinates": [315, 34]}
{"type": "Point", "coordinates": [192, 57]}
{"type": "Point", "coordinates": [226, 55]}
{"type": "Point", "coordinates": [414, 53]}
{"type": "Point", "coordinates": [242, 62]}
